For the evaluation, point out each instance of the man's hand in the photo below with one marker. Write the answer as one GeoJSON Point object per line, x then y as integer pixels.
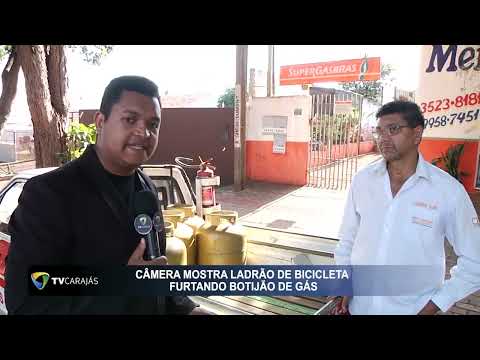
{"type": "Point", "coordinates": [341, 307]}
{"type": "Point", "coordinates": [429, 309]}
{"type": "Point", "coordinates": [200, 311]}
{"type": "Point", "coordinates": [137, 257]}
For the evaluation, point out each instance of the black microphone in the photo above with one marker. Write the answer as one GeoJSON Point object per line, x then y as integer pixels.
{"type": "Point", "coordinates": [149, 223]}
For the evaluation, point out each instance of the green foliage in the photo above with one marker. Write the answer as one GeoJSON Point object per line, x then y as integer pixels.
{"type": "Point", "coordinates": [5, 50]}
{"type": "Point", "coordinates": [337, 129]}
{"type": "Point", "coordinates": [227, 99]}
{"type": "Point", "coordinates": [79, 136]}
{"type": "Point", "coordinates": [92, 54]}
{"type": "Point", "coordinates": [451, 161]}
{"type": "Point", "coordinates": [371, 90]}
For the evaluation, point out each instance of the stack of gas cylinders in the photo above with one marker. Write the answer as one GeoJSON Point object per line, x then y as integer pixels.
{"type": "Point", "coordinates": [217, 240]}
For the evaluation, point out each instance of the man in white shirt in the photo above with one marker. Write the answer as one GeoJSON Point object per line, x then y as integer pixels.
{"type": "Point", "coordinates": [399, 210]}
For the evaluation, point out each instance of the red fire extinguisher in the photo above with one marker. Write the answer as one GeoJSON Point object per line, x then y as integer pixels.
{"type": "Point", "coordinates": [208, 192]}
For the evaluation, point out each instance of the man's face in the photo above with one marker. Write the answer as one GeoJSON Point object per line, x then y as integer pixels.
{"type": "Point", "coordinates": [129, 137]}
{"type": "Point", "coordinates": [400, 140]}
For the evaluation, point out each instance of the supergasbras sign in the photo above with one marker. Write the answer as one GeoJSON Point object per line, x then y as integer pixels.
{"type": "Point", "coordinates": [449, 91]}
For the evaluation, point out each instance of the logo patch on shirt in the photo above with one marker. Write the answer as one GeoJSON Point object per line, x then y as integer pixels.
{"type": "Point", "coordinates": [423, 222]}
{"type": "Point", "coordinates": [425, 205]}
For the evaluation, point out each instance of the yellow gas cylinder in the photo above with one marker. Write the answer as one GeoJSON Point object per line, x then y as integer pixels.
{"type": "Point", "coordinates": [195, 222]}
{"type": "Point", "coordinates": [215, 217]}
{"type": "Point", "coordinates": [225, 244]}
{"type": "Point", "coordinates": [187, 235]}
{"type": "Point", "coordinates": [188, 210]}
{"type": "Point", "coordinates": [173, 215]}
{"type": "Point", "coordinates": [190, 219]}
{"type": "Point", "coordinates": [176, 250]}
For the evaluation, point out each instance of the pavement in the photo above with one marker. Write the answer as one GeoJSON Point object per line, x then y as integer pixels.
{"type": "Point", "coordinates": [298, 209]}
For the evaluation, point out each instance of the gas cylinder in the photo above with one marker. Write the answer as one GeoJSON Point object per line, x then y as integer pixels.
{"type": "Point", "coordinates": [215, 217]}
{"type": "Point", "coordinates": [187, 235]}
{"type": "Point", "coordinates": [188, 210]}
{"type": "Point", "coordinates": [223, 244]}
{"type": "Point", "coordinates": [173, 215]}
{"type": "Point", "coordinates": [194, 222]}
{"type": "Point", "coordinates": [190, 219]}
{"type": "Point", "coordinates": [176, 250]}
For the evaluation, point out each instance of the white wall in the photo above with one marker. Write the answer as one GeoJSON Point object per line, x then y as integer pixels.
{"type": "Point", "coordinates": [7, 152]}
{"type": "Point", "coordinates": [298, 128]}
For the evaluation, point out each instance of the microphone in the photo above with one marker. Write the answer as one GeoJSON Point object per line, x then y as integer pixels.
{"type": "Point", "coordinates": [149, 223]}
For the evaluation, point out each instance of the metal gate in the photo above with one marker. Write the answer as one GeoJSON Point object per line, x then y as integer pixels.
{"type": "Point", "coordinates": [335, 130]}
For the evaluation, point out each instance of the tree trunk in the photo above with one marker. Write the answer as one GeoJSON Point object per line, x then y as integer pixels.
{"type": "Point", "coordinates": [57, 78]}
{"type": "Point", "coordinates": [9, 86]}
{"type": "Point", "coordinates": [44, 69]}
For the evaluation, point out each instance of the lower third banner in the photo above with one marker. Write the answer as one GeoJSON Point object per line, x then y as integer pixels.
{"type": "Point", "coordinates": [271, 280]}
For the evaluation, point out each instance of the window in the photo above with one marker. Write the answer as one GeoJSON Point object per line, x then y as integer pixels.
{"type": "Point", "coordinates": [8, 203]}
{"type": "Point", "coordinates": [168, 190]}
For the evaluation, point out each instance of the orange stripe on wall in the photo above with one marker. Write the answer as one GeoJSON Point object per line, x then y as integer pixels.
{"type": "Point", "coordinates": [288, 168]}
{"type": "Point", "coordinates": [323, 156]}
{"type": "Point", "coordinates": [431, 148]}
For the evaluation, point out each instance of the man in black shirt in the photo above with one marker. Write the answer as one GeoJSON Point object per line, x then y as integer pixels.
{"type": "Point", "coordinates": [81, 213]}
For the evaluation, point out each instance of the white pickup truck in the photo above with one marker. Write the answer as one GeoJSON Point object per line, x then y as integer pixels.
{"type": "Point", "coordinates": [265, 246]}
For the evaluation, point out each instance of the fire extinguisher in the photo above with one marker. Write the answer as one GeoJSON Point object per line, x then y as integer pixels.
{"type": "Point", "coordinates": [205, 190]}
{"type": "Point", "coordinates": [208, 192]}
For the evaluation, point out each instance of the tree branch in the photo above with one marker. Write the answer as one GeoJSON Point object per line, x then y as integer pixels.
{"type": "Point", "coordinates": [9, 86]}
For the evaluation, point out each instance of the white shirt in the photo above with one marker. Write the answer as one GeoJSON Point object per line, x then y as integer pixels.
{"type": "Point", "coordinates": [409, 229]}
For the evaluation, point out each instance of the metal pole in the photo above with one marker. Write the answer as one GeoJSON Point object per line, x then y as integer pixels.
{"type": "Point", "coordinates": [251, 84]}
{"type": "Point", "coordinates": [269, 70]}
{"type": "Point", "coordinates": [239, 125]}
{"type": "Point", "coordinates": [273, 70]}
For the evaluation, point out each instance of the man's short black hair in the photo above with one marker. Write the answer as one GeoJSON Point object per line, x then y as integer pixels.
{"type": "Point", "coordinates": [114, 90]}
{"type": "Point", "coordinates": [407, 109]}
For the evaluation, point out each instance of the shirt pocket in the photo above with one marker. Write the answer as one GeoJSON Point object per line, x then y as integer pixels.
{"type": "Point", "coordinates": [421, 219]}
{"type": "Point", "coordinates": [424, 225]}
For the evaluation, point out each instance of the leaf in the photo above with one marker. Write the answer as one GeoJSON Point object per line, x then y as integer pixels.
{"type": "Point", "coordinates": [371, 90]}
{"type": "Point", "coordinates": [5, 50]}
{"type": "Point", "coordinates": [93, 54]}
{"type": "Point", "coordinates": [227, 99]}
{"type": "Point", "coordinates": [451, 161]}
{"type": "Point", "coordinates": [79, 136]}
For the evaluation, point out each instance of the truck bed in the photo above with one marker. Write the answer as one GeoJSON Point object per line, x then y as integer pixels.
{"type": "Point", "coordinates": [274, 247]}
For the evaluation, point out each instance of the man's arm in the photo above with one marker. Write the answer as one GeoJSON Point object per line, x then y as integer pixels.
{"type": "Point", "coordinates": [348, 229]}
{"type": "Point", "coordinates": [39, 236]}
{"type": "Point", "coordinates": [463, 233]}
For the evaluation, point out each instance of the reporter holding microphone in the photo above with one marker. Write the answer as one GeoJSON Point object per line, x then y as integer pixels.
{"type": "Point", "coordinates": [83, 213]}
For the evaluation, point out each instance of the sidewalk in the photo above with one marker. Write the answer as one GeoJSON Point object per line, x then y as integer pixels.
{"type": "Point", "coordinates": [306, 210]}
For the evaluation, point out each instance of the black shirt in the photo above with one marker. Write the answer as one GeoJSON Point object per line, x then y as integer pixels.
{"type": "Point", "coordinates": [126, 186]}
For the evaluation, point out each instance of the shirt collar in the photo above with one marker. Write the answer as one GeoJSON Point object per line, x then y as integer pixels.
{"type": "Point", "coordinates": [422, 168]}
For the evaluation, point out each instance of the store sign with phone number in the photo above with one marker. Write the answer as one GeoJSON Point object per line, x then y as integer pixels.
{"type": "Point", "coordinates": [449, 91]}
